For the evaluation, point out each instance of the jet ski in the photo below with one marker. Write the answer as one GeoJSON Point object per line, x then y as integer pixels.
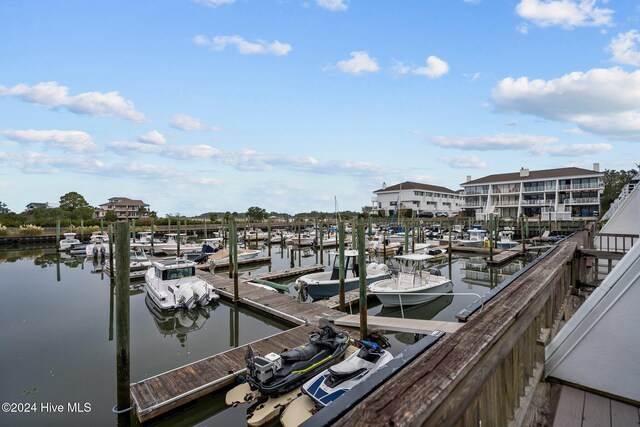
{"type": "Point", "coordinates": [275, 374]}
{"type": "Point", "coordinates": [332, 383]}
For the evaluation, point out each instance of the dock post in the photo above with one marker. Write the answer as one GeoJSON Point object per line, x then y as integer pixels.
{"type": "Point", "coordinates": [413, 237]}
{"type": "Point", "coordinates": [82, 229]}
{"type": "Point", "coordinates": [230, 246]}
{"type": "Point", "coordinates": [406, 238]}
{"type": "Point", "coordinates": [321, 243]}
{"type": "Point", "coordinates": [292, 261]}
{"type": "Point", "coordinates": [178, 238]}
{"type": "Point", "coordinates": [205, 229]}
{"type": "Point", "coordinates": [449, 250]}
{"type": "Point", "coordinates": [133, 230]}
{"type": "Point", "coordinates": [112, 303]}
{"type": "Point", "coordinates": [122, 316]}
{"type": "Point", "coordinates": [540, 224]}
{"type": "Point", "coordinates": [58, 234]}
{"type": "Point", "coordinates": [111, 266]}
{"type": "Point", "coordinates": [169, 225]}
{"type": "Point", "coordinates": [269, 237]}
{"type": "Point", "coordinates": [152, 234]}
{"type": "Point", "coordinates": [236, 292]}
{"type": "Point", "coordinates": [522, 232]}
{"type": "Point", "coordinates": [491, 236]}
{"type": "Point", "coordinates": [341, 264]}
{"type": "Point", "coordinates": [384, 246]}
{"type": "Point", "coordinates": [101, 226]}
{"type": "Point", "coordinates": [362, 276]}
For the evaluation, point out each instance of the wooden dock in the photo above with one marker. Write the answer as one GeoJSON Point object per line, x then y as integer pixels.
{"type": "Point", "coordinates": [224, 263]}
{"type": "Point", "coordinates": [292, 272]}
{"type": "Point", "coordinates": [350, 298]}
{"type": "Point", "coordinates": [161, 393]}
{"type": "Point", "coordinates": [577, 408]}
{"type": "Point", "coordinates": [169, 390]}
{"type": "Point", "coordinates": [506, 256]}
{"type": "Point", "coordinates": [414, 326]}
{"type": "Point", "coordinates": [474, 250]}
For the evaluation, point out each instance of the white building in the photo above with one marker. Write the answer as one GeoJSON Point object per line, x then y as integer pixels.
{"type": "Point", "coordinates": [553, 193]}
{"type": "Point", "coordinates": [420, 198]}
{"type": "Point", "coordinates": [124, 208]}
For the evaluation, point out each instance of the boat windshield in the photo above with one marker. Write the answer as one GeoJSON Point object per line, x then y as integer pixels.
{"type": "Point", "coordinates": [178, 273]}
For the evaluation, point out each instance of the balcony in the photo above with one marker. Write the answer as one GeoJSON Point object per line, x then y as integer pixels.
{"type": "Point", "coordinates": [582, 201]}
{"type": "Point", "coordinates": [589, 185]}
{"type": "Point", "coordinates": [510, 190]}
{"type": "Point", "coordinates": [539, 189]}
{"type": "Point", "coordinates": [506, 203]}
{"type": "Point", "coordinates": [475, 193]}
{"type": "Point", "coordinates": [535, 202]}
{"type": "Point", "coordinates": [473, 204]}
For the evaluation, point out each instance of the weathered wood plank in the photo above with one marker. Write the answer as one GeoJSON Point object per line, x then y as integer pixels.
{"type": "Point", "coordinates": [570, 408]}
{"type": "Point", "coordinates": [597, 411]}
{"type": "Point", "coordinates": [623, 415]}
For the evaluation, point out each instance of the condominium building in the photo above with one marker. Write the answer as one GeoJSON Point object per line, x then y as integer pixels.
{"type": "Point", "coordinates": [124, 208]}
{"type": "Point", "coordinates": [420, 198]}
{"type": "Point", "coordinates": [552, 193]}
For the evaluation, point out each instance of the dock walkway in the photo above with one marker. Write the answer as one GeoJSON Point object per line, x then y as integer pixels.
{"type": "Point", "coordinates": [506, 256]}
{"type": "Point", "coordinates": [415, 326]}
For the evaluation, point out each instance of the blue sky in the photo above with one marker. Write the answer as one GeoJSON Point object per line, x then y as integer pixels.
{"type": "Point", "coordinates": [216, 105]}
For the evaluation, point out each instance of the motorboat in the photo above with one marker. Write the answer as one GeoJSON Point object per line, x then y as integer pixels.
{"type": "Point", "coordinates": [138, 264]}
{"type": "Point", "coordinates": [325, 284]}
{"type": "Point", "coordinates": [275, 374]}
{"type": "Point", "coordinates": [255, 235]}
{"type": "Point", "coordinates": [337, 380]}
{"type": "Point", "coordinates": [172, 284]}
{"type": "Point", "coordinates": [505, 239]}
{"type": "Point", "coordinates": [280, 237]}
{"type": "Point", "coordinates": [435, 253]}
{"type": "Point", "coordinates": [170, 246]}
{"type": "Point", "coordinates": [222, 256]}
{"type": "Point", "coordinates": [306, 239]}
{"type": "Point", "coordinates": [476, 238]}
{"type": "Point", "coordinates": [434, 232]}
{"type": "Point", "coordinates": [68, 241]}
{"type": "Point", "coordinates": [98, 245]}
{"type": "Point", "coordinates": [78, 249]}
{"type": "Point", "coordinates": [414, 284]}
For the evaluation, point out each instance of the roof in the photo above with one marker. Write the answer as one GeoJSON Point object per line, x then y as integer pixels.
{"type": "Point", "coordinates": [410, 185]}
{"type": "Point", "coordinates": [125, 201]}
{"type": "Point", "coordinates": [533, 175]}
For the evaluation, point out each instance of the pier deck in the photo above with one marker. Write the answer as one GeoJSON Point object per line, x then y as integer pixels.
{"type": "Point", "coordinates": [506, 256]}
{"type": "Point", "coordinates": [415, 326]}
{"type": "Point", "coordinates": [292, 272]}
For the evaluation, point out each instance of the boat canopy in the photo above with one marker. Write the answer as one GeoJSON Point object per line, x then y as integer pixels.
{"type": "Point", "coordinates": [414, 257]}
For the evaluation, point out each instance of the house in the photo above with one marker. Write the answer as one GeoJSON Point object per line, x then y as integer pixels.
{"type": "Point", "coordinates": [553, 194]}
{"type": "Point", "coordinates": [35, 205]}
{"type": "Point", "coordinates": [124, 208]}
{"type": "Point", "coordinates": [420, 198]}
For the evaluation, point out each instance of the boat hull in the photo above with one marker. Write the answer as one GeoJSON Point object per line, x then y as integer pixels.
{"type": "Point", "coordinates": [329, 288]}
{"type": "Point", "coordinates": [409, 297]}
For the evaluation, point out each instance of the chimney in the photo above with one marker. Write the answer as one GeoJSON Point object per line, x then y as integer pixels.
{"type": "Point", "coordinates": [384, 185]}
{"type": "Point", "coordinates": [524, 172]}
{"type": "Point", "coordinates": [596, 167]}
{"type": "Point", "coordinates": [468, 178]}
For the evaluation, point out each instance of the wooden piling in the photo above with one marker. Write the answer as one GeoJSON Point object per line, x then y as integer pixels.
{"type": "Point", "coordinates": [58, 234]}
{"type": "Point", "coordinates": [122, 315]}
{"type": "Point", "coordinates": [491, 237]}
{"type": "Point", "coordinates": [230, 245]}
{"type": "Point", "coordinates": [269, 237]}
{"type": "Point", "coordinates": [102, 226]}
{"type": "Point", "coordinates": [152, 234]}
{"type": "Point", "coordinates": [111, 266]}
{"type": "Point", "coordinates": [82, 229]}
{"type": "Point", "coordinates": [362, 276]}
{"type": "Point", "coordinates": [341, 275]}
{"type": "Point", "coordinates": [522, 231]}
{"type": "Point", "coordinates": [236, 292]}
{"type": "Point", "coordinates": [406, 238]}
{"type": "Point", "coordinates": [321, 243]}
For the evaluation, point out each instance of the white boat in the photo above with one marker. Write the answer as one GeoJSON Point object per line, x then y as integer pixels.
{"type": "Point", "coordinates": [413, 285]}
{"type": "Point", "coordinates": [254, 234]}
{"type": "Point", "coordinates": [68, 241]}
{"type": "Point", "coordinates": [303, 240]}
{"type": "Point", "coordinates": [280, 237]}
{"type": "Point", "coordinates": [476, 239]}
{"type": "Point", "coordinates": [170, 247]}
{"type": "Point", "coordinates": [505, 239]}
{"type": "Point", "coordinates": [138, 264]}
{"type": "Point", "coordinates": [325, 284]}
{"type": "Point", "coordinates": [173, 284]}
{"type": "Point", "coordinates": [337, 380]}
{"type": "Point", "coordinates": [222, 256]}
{"type": "Point", "coordinates": [98, 244]}
{"type": "Point", "coordinates": [435, 253]}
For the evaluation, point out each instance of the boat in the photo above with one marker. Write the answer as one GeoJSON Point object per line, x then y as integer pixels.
{"type": "Point", "coordinates": [413, 284]}
{"type": "Point", "coordinates": [505, 239]}
{"type": "Point", "coordinates": [138, 264]}
{"type": "Point", "coordinates": [68, 241]}
{"type": "Point", "coordinates": [98, 244]}
{"type": "Point", "coordinates": [435, 253]}
{"type": "Point", "coordinates": [173, 284]}
{"type": "Point", "coordinates": [301, 240]}
{"type": "Point", "coordinates": [325, 284]}
{"type": "Point", "coordinates": [275, 374]}
{"type": "Point", "coordinates": [476, 239]}
{"type": "Point", "coordinates": [254, 234]}
{"type": "Point", "coordinates": [78, 249]}
{"type": "Point", "coordinates": [170, 246]}
{"type": "Point", "coordinates": [222, 256]}
{"type": "Point", "coordinates": [337, 380]}
{"type": "Point", "coordinates": [434, 232]}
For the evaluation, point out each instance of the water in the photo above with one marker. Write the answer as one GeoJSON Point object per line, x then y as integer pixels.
{"type": "Point", "coordinates": [57, 341]}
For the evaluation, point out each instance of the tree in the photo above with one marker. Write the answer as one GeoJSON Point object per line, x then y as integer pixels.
{"type": "Point", "coordinates": [213, 217]}
{"type": "Point", "coordinates": [256, 214]}
{"type": "Point", "coordinates": [72, 201]}
{"type": "Point", "coordinates": [111, 216]}
{"type": "Point", "coordinates": [614, 181]}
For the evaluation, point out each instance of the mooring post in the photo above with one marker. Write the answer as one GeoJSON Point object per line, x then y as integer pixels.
{"type": "Point", "coordinates": [292, 261]}
{"type": "Point", "coordinates": [449, 250]}
{"type": "Point", "coordinates": [122, 315]}
{"type": "Point", "coordinates": [269, 237]}
{"type": "Point", "coordinates": [58, 234]}
{"type": "Point", "coordinates": [522, 231]}
{"type": "Point", "coordinates": [406, 238]}
{"type": "Point", "coordinates": [82, 229]}
{"type": "Point", "coordinates": [384, 246]}
{"type": "Point", "coordinates": [169, 225]}
{"type": "Point", "coordinates": [236, 291]}
{"type": "Point", "coordinates": [321, 243]}
{"type": "Point", "coordinates": [152, 234]}
{"type": "Point", "coordinates": [205, 229]}
{"type": "Point", "coordinates": [112, 303]}
{"type": "Point", "coordinates": [101, 226]}
{"type": "Point", "coordinates": [341, 264]}
{"type": "Point", "coordinates": [111, 266]}
{"type": "Point", "coordinates": [362, 276]}
{"type": "Point", "coordinates": [178, 238]}
{"type": "Point", "coordinates": [230, 245]}
{"type": "Point", "coordinates": [540, 224]}
{"type": "Point", "coordinates": [413, 237]}
{"type": "Point", "coordinates": [491, 237]}
{"type": "Point", "coordinates": [133, 230]}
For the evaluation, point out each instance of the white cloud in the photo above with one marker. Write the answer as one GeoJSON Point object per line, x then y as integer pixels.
{"type": "Point", "coordinates": [333, 5]}
{"type": "Point", "coordinates": [624, 48]}
{"type": "Point", "coordinates": [501, 141]}
{"type": "Point", "coordinates": [564, 13]}
{"type": "Point", "coordinates": [464, 162]}
{"type": "Point", "coordinates": [600, 101]}
{"type": "Point", "coordinates": [435, 68]}
{"type": "Point", "coordinates": [154, 138]}
{"type": "Point", "coordinates": [190, 123]}
{"type": "Point", "coordinates": [572, 150]}
{"type": "Point", "coordinates": [73, 140]}
{"type": "Point", "coordinates": [259, 47]}
{"type": "Point", "coordinates": [214, 3]}
{"type": "Point", "coordinates": [191, 152]}
{"type": "Point", "coordinates": [359, 63]}
{"type": "Point", "coordinates": [126, 148]}
{"type": "Point", "coordinates": [523, 29]}
{"type": "Point", "coordinates": [52, 95]}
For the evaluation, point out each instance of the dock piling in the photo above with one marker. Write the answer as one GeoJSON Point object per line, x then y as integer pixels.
{"type": "Point", "coordinates": [111, 266]}
{"type": "Point", "coordinates": [341, 264]}
{"type": "Point", "coordinates": [122, 316]}
{"type": "Point", "coordinates": [58, 234]}
{"type": "Point", "coordinates": [362, 276]}
{"type": "Point", "coordinates": [178, 238]}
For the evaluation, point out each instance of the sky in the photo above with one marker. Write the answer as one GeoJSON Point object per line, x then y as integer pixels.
{"type": "Point", "coordinates": [219, 105]}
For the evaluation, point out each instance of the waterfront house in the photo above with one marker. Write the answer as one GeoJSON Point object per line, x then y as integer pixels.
{"type": "Point", "coordinates": [560, 194]}
{"type": "Point", "coordinates": [421, 198]}
{"type": "Point", "coordinates": [35, 205]}
{"type": "Point", "coordinates": [124, 208]}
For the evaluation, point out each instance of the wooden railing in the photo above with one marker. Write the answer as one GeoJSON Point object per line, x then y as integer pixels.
{"type": "Point", "coordinates": [478, 375]}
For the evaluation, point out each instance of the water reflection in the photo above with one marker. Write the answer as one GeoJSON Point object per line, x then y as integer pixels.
{"type": "Point", "coordinates": [178, 323]}
{"type": "Point", "coordinates": [475, 271]}
{"type": "Point", "coordinates": [426, 311]}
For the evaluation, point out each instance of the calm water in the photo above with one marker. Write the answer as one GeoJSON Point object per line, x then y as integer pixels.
{"type": "Point", "coordinates": [57, 345]}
